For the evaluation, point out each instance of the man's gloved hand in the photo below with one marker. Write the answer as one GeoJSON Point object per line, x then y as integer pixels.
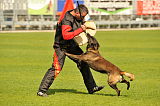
{"type": "Point", "coordinates": [83, 27]}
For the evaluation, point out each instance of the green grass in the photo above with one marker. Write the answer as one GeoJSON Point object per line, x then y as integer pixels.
{"type": "Point", "coordinates": [25, 57]}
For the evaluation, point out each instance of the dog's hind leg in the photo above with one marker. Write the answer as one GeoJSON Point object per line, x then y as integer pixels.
{"type": "Point", "coordinates": [126, 82]}
{"type": "Point", "coordinates": [114, 86]}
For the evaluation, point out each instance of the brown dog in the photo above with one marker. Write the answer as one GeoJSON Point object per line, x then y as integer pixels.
{"type": "Point", "coordinates": [98, 63]}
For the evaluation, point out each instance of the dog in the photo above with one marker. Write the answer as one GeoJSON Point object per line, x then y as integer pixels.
{"type": "Point", "coordinates": [95, 61]}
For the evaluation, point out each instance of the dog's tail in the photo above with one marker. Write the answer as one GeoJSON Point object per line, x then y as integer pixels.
{"type": "Point", "coordinates": [129, 75]}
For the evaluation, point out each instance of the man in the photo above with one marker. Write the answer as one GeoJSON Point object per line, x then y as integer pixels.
{"type": "Point", "coordinates": [66, 30]}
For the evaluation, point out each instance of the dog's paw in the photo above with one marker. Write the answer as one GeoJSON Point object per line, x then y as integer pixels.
{"type": "Point", "coordinates": [132, 77]}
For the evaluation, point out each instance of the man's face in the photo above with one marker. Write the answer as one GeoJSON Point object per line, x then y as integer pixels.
{"type": "Point", "coordinates": [82, 15]}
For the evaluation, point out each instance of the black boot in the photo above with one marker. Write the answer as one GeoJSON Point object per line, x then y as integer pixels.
{"type": "Point", "coordinates": [42, 94]}
{"type": "Point", "coordinates": [95, 89]}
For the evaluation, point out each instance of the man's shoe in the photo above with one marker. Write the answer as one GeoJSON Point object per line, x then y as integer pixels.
{"type": "Point", "coordinates": [95, 89]}
{"type": "Point", "coordinates": [42, 94]}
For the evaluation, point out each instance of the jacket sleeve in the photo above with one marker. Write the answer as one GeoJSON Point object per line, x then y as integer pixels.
{"type": "Point", "coordinates": [68, 33]}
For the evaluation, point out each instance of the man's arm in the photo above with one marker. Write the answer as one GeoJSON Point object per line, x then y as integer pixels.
{"type": "Point", "coordinates": [68, 33]}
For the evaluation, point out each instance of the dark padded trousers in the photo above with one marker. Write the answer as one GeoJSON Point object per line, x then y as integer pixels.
{"type": "Point", "coordinates": [58, 62]}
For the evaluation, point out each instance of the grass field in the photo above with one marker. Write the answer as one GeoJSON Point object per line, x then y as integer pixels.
{"type": "Point", "coordinates": [25, 57]}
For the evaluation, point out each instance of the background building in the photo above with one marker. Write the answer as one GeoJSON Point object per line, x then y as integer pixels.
{"type": "Point", "coordinates": [43, 14]}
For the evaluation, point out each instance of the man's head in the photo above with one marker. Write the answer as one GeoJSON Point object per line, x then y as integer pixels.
{"type": "Point", "coordinates": [81, 9]}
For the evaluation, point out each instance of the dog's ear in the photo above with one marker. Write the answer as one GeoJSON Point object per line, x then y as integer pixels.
{"type": "Point", "coordinates": [88, 36]}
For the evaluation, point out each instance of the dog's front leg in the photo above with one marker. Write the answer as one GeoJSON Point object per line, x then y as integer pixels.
{"type": "Point", "coordinates": [78, 57]}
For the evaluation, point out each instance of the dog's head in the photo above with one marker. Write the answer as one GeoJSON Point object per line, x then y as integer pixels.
{"type": "Point", "coordinates": [92, 43]}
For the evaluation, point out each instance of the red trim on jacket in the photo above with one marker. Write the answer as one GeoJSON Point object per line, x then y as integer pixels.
{"type": "Point", "coordinates": [70, 35]}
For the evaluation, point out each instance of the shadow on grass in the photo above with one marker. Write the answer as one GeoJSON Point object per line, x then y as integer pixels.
{"type": "Point", "coordinates": [53, 91]}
